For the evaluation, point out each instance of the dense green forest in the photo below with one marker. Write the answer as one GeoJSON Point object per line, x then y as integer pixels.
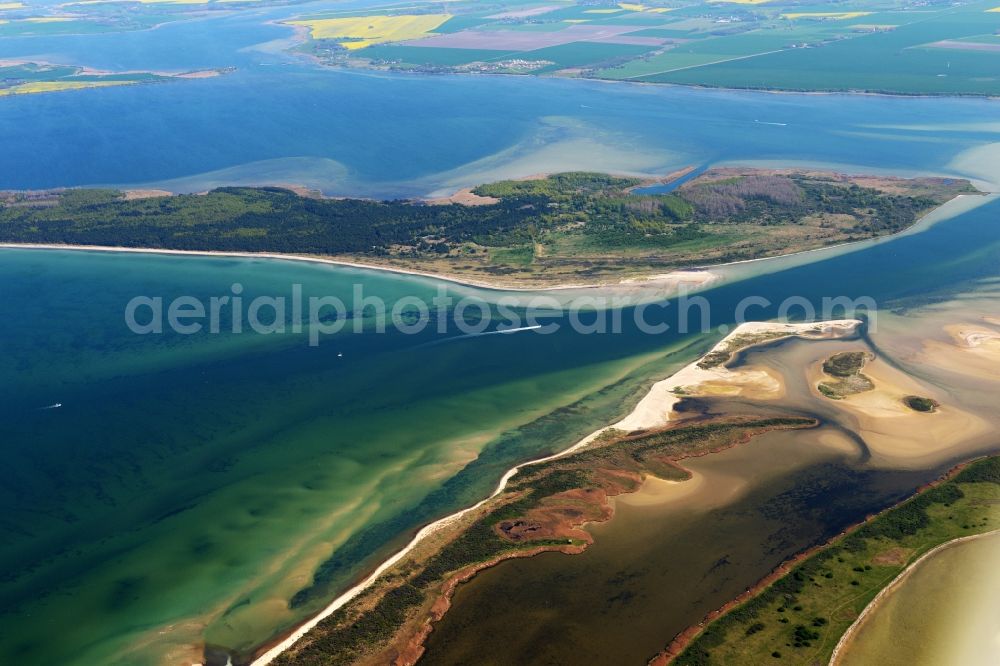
{"type": "Point", "coordinates": [562, 218]}
{"type": "Point", "coordinates": [250, 219]}
{"type": "Point", "coordinates": [278, 220]}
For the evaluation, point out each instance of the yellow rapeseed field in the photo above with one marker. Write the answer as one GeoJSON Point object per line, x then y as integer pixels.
{"type": "Point", "coordinates": [358, 32]}
{"type": "Point", "coordinates": [57, 86]}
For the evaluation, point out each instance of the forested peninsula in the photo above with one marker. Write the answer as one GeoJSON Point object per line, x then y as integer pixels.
{"type": "Point", "coordinates": [538, 230]}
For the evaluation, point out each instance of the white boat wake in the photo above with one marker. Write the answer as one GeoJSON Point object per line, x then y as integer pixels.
{"type": "Point", "coordinates": [466, 336]}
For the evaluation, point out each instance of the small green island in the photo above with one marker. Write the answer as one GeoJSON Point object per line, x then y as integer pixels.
{"type": "Point", "coordinates": [29, 77]}
{"type": "Point", "coordinates": [920, 404]}
{"type": "Point", "coordinates": [567, 227]}
{"type": "Point", "coordinates": [846, 378]}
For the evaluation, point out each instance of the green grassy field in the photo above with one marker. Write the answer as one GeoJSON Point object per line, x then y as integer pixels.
{"type": "Point", "coordinates": [582, 54]}
{"type": "Point", "coordinates": [800, 618]}
{"type": "Point", "coordinates": [34, 72]}
{"type": "Point", "coordinates": [32, 78]}
{"type": "Point", "coordinates": [106, 22]}
{"type": "Point", "coordinates": [906, 64]}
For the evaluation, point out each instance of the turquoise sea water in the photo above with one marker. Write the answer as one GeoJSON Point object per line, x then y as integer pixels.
{"type": "Point", "coordinates": [177, 468]}
{"type": "Point", "coordinates": [190, 487]}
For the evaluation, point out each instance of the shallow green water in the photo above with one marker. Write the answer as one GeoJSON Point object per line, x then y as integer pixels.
{"type": "Point", "coordinates": [192, 476]}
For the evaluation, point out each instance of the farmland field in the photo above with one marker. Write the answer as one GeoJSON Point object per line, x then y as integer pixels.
{"type": "Point", "coordinates": [778, 45]}
{"type": "Point", "coordinates": [363, 31]}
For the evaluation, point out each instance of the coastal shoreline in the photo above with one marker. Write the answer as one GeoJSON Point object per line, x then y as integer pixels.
{"type": "Point", "coordinates": [699, 277]}
{"type": "Point", "coordinates": [652, 410]}
{"type": "Point", "coordinates": [262, 481]}
{"type": "Point", "coordinates": [874, 604]}
{"type": "Point", "coordinates": [415, 645]}
{"type": "Point", "coordinates": [607, 81]}
{"type": "Point", "coordinates": [918, 226]}
{"type": "Point", "coordinates": [93, 71]}
{"type": "Point", "coordinates": [302, 36]}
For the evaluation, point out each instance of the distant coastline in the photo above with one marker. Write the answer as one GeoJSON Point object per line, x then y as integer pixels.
{"type": "Point", "coordinates": [302, 37]}
{"type": "Point", "coordinates": [690, 86]}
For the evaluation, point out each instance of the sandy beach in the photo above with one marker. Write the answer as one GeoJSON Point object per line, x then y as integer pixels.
{"type": "Point", "coordinates": [669, 281]}
{"type": "Point", "coordinates": [654, 409]}
{"type": "Point", "coordinates": [464, 197]}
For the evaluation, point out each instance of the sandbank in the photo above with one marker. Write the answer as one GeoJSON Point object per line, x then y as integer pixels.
{"type": "Point", "coordinates": [896, 435]}
{"type": "Point", "coordinates": [655, 409]}
{"type": "Point", "coordinates": [973, 350]}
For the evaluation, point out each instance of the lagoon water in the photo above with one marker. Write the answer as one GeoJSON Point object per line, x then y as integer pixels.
{"type": "Point", "coordinates": [190, 487]}
{"type": "Point", "coordinates": [948, 605]}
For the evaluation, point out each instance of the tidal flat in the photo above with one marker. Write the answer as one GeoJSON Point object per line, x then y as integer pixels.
{"type": "Point", "coordinates": [671, 555]}
{"type": "Point", "coordinates": [659, 565]}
